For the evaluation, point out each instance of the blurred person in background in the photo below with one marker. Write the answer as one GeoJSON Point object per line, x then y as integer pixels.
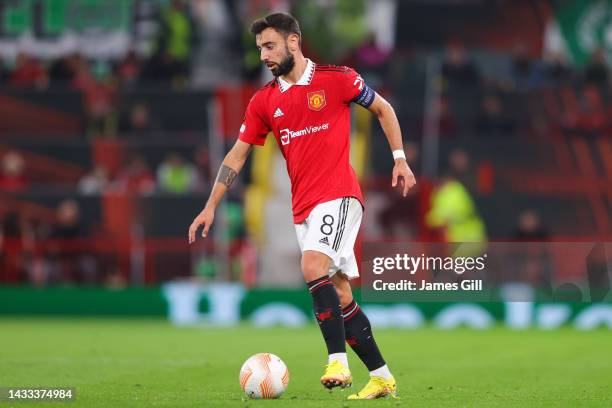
{"type": "Point", "coordinates": [447, 122]}
{"type": "Point", "coordinates": [70, 262]}
{"type": "Point", "coordinates": [204, 167]}
{"type": "Point", "coordinates": [135, 177]}
{"type": "Point", "coordinates": [594, 116]}
{"type": "Point", "coordinates": [371, 61]}
{"type": "Point", "coordinates": [534, 264]}
{"type": "Point", "coordinates": [177, 176]}
{"type": "Point", "coordinates": [556, 70]}
{"type": "Point", "coordinates": [493, 120]}
{"type": "Point", "coordinates": [128, 69]}
{"type": "Point", "coordinates": [460, 79]}
{"type": "Point", "coordinates": [529, 227]}
{"type": "Point", "coordinates": [28, 72]}
{"type": "Point", "coordinates": [596, 72]}
{"type": "Point", "coordinates": [62, 71]}
{"type": "Point", "coordinates": [175, 42]}
{"type": "Point", "coordinates": [218, 37]}
{"type": "Point", "coordinates": [39, 269]}
{"type": "Point", "coordinates": [12, 246]}
{"type": "Point", "coordinates": [94, 182]}
{"type": "Point", "coordinates": [68, 222]}
{"type": "Point", "coordinates": [307, 107]}
{"type": "Point", "coordinates": [460, 167]}
{"type": "Point", "coordinates": [526, 71]}
{"type": "Point", "coordinates": [586, 113]}
{"type": "Point", "coordinates": [99, 89]}
{"type": "Point", "coordinates": [457, 68]}
{"type": "Point", "coordinates": [12, 173]}
{"type": "Point", "coordinates": [137, 121]}
{"type": "Point", "coordinates": [4, 73]}
{"type": "Point", "coordinates": [114, 279]}
{"type": "Point", "coordinates": [452, 208]}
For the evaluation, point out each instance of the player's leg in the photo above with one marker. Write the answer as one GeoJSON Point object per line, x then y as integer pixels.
{"type": "Point", "coordinates": [327, 309]}
{"type": "Point", "coordinates": [319, 238]}
{"type": "Point", "coordinates": [357, 329]}
{"type": "Point", "coordinates": [359, 336]}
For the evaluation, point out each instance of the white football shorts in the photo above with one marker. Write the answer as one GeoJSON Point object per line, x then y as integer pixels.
{"type": "Point", "coordinates": [331, 228]}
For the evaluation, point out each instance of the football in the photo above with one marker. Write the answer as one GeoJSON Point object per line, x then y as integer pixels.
{"type": "Point", "coordinates": [264, 376]}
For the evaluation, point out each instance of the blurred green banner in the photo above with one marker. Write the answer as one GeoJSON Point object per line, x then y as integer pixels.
{"type": "Point", "coordinates": [54, 17]}
{"type": "Point", "coordinates": [227, 304]}
{"type": "Point", "coordinates": [585, 26]}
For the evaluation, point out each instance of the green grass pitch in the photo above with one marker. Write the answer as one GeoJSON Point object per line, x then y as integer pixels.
{"type": "Point", "coordinates": [149, 363]}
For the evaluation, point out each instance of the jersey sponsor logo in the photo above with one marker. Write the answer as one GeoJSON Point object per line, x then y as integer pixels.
{"type": "Point", "coordinates": [316, 100]}
{"type": "Point", "coordinates": [324, 240]}
{"type": "Point", "coordinates": [286, 134]}
{"type": "Point", "coordinates": [278, 113]}
{"type": "Point", "coordinates": [242, 128]}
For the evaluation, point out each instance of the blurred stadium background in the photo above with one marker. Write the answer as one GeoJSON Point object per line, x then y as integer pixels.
{"type": "Point", "coordinates": [115, 115]}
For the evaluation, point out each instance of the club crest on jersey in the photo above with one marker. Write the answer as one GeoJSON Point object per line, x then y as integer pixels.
{"type": "Point", "coordinates": [316, 100]}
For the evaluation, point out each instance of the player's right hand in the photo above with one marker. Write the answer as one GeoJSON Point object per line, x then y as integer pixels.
{"type": "Point", "coordinates": [205, 219]}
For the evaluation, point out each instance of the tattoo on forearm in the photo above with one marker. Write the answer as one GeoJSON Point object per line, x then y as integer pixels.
{"type": "Point", "coordinates": [226, 175]}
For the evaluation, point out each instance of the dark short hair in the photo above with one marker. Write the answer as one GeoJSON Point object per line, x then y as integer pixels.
{"type": "Point", "coordinates": [283, 23]}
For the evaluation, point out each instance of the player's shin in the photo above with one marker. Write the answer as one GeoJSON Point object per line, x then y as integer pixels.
{"type": "Point", "coordinates": [329, 316]}
{"type": "Point", "coordinates": [359, 336]}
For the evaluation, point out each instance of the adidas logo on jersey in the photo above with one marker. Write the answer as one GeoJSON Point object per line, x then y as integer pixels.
{"type": "Point", "coordinates": [278, 113]}
{"type": "Point", "coordinates": [324, 240]}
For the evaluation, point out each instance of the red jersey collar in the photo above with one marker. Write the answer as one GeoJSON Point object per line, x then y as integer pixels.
{"type": "Point", "coordinates": [304, 79]}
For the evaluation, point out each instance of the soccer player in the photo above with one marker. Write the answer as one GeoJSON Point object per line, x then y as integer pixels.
{"type": "Point", "coordinates": [306, 107]}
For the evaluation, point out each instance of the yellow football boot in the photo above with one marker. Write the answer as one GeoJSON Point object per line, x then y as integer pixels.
{"type": "Point", "coordinates": [377, 387]}
{"type": "Point", "coordinates": [336, 375]}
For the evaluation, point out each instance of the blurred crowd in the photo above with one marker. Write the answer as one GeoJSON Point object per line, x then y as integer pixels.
{"type": "Point", "coordinates": [48, 248]}
{"type": "Point", "coordinates": [174, 175]}
{"type": "Point", "coordinates": [168, 60]}
{"type": "Point", "coordinates": [190, 34]}
{"type": "Point", "coordinates": [479, 94]}
{"type": "Point", "coordinates": [166, 65]}
{"type": "Point", "coordinates": [485, 105]}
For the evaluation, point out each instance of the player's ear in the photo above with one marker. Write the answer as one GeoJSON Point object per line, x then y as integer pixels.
{"type": "Point", "coordinates": [294, 42]}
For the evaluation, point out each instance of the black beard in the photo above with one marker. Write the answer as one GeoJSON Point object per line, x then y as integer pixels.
{"type": "Point", "coordinates": [285, 66]}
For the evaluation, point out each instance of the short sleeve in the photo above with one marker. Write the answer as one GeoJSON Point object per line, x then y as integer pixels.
{"type": "Point", "coordinates": [254, 128]}
{"type": "Point", "coordinates": [355, 89]}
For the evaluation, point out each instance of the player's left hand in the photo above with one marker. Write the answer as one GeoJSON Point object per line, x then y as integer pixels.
{"type": "Point", "coordinates": [403, 174]}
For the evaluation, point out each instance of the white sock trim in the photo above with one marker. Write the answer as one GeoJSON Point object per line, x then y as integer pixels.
{"type": "Point", "coordinates": [341, 357]}
{"type": "Point", "coordinates": [382, 372]}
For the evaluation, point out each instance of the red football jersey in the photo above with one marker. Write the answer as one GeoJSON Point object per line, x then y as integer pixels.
{"type": "Point", "coordinates": [311, 122]}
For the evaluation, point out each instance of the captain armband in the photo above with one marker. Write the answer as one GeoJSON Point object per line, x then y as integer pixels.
{"type": "Point", "coordinates": [365, 97]}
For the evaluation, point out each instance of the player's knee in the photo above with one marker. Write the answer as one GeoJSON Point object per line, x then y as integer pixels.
{"type": "Point", "coordinates": [313, 268]}
{"type": "Point", "coordinates": [346, 296]}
